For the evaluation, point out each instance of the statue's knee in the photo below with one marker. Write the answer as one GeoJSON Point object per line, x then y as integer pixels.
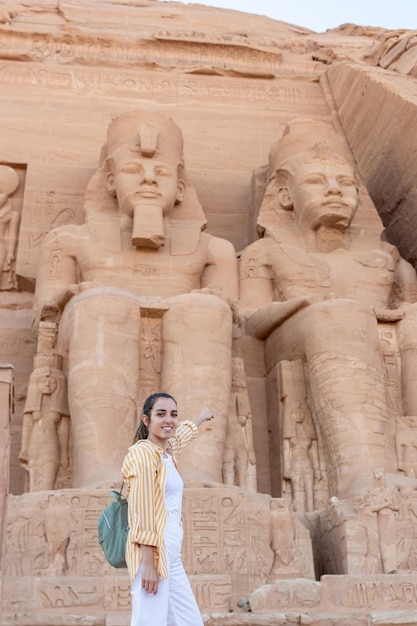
{"type": "Point", "coordinates": [197, 298]}
{"type": "Point", "coordinates": [208, 310]}
{"type": "Point", "coordinates": [328, 316]}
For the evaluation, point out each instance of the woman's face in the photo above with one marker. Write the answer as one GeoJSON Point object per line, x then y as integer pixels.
{"type": "Point", "coordinates": [163, 421]}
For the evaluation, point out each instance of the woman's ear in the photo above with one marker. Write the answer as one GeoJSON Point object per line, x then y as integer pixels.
{"type": "Point", "coordinates": [145, 420]}
{"type": "Point", "coordinates": [285, 199]}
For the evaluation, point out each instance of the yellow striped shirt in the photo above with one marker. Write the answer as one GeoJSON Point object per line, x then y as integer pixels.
{"type": "Point", "coordinates": [145, 474]}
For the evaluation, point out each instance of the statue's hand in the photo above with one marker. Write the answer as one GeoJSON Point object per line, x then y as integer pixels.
{"type": "Point", "coordinates": [86, 285]}
{"type": "Point", "coordinates": [211, 291]}
{"type": "Point", "coordinates": [52, 307]}
{"type": "Point", "coordinates": [263, 321]}
{"type": "Point", "coordinates": [388, 315]}
{"type": "Point", "coordinates": [214, 291]}
{"type": "Point", "coordinates": [50, 311]}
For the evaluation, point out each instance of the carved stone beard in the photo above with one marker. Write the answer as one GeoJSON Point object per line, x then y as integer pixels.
{"type": "Point", "coordinates": [148, 226]}
{"type": "Point", "coordinates": [329, 238]}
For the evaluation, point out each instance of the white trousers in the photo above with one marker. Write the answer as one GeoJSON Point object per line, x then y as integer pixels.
{"type": "Point", "coordinates": [174, 604]}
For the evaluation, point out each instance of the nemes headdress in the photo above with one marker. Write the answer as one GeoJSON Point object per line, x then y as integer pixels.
{"type": "Point", "coordinates": [303, 139]}
{"type": "Point", "coordinates": [143, 135]}
{"type": "Point", "coordinates": [132, 134]}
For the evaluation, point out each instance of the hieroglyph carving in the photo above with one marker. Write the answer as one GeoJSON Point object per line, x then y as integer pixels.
{"type": "Point", "coordinates": [282, 539]}
{"type": "Point", "coordinates": [108, 81]}
{"type": "Point", "coordinates": [79, 49]}
{"type": "Point", "coordinates": [227, 532]}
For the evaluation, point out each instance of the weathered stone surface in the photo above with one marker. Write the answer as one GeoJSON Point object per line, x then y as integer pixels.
{"type": "Point", "coordinates": [377, 141]}
{"type": "Point", "coordinates": [226, 550]}
{"type": "Point", "coordinates": [286, 505]}
{"type": "Point", "coordinates": [6, 410]}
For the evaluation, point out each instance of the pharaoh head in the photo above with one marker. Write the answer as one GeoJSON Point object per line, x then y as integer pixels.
{"type": "Point", "coordinates": [144, 163]}
{"type": "Point", "coordinates": [310, 175]}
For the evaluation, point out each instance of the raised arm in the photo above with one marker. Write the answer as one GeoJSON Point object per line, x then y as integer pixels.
{"type": "Point", "coordinates": [187, 430]}
{"type": "Point", "coordinates": [205, 415]}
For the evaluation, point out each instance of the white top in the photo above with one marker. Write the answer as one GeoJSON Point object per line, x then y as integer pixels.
{"type": "Point", "coordinates": [174, 488]}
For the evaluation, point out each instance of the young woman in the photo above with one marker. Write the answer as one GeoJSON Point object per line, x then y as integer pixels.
{"type": "Point", "coordinates": [161, 592]}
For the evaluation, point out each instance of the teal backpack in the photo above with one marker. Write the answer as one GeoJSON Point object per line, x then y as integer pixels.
{"type": "Point", "coordinates": [113, 527]}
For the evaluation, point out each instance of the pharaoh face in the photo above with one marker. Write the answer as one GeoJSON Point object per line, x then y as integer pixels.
{"type": "Point", "coordinates": [139, 181]}
{"type": "Point", "coordinates": [324, 193]}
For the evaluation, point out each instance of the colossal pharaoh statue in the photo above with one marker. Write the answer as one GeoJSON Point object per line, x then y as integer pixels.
{"type": "Point", "coordinates": [316, 291]}
{"type": "Point", "coordinates": [139, 263]}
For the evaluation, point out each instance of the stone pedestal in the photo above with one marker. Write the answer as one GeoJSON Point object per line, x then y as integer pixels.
{"type": "Point", "coordinates": [54, 569]}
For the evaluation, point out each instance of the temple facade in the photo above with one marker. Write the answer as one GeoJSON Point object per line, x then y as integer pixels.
{"type": "Point", "coordinates": [223, 207]}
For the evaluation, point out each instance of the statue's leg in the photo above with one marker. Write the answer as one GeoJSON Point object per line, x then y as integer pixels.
{"type": "Point", "coordinates": [298, 493]}
{"type": "Point", "coordinates": [99, 333]}
{"type": "Point", "coordinates": [339, 341]}
{"type": "Point", "coordinates": [309, 490]}
{"type": "Point", "coordinates": [407, 341]}
{"type": "Point", "coordinates": [242, 464]}
{"type": "Point", "coordinates": [43, 454]}
{"type": "Point", "coordinates": [228, 472]}
{"type": "Point", "coordinates": [196, 369]}
{"type": "Point", "coordinates": [386, 526]}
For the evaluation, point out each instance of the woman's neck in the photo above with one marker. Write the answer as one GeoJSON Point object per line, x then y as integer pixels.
{"type": "Point", "coordinates": [158, 442]}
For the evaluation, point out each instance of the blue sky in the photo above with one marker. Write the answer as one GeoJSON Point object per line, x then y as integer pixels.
{"type": "Point", "coordinates": [319, 15]}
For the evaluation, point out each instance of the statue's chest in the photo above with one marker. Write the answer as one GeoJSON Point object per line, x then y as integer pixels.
{"type": "Point", "coordinates": [139, 262]}
{"type": "Point", "coordinates": [340, 272]}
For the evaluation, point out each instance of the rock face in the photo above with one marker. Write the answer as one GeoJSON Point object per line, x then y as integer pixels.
{"type": "Point", "coordinates": [221, 206]}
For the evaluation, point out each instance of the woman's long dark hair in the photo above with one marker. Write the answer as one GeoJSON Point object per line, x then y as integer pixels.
{"type": "Point", "coordinates": [142, 431]}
